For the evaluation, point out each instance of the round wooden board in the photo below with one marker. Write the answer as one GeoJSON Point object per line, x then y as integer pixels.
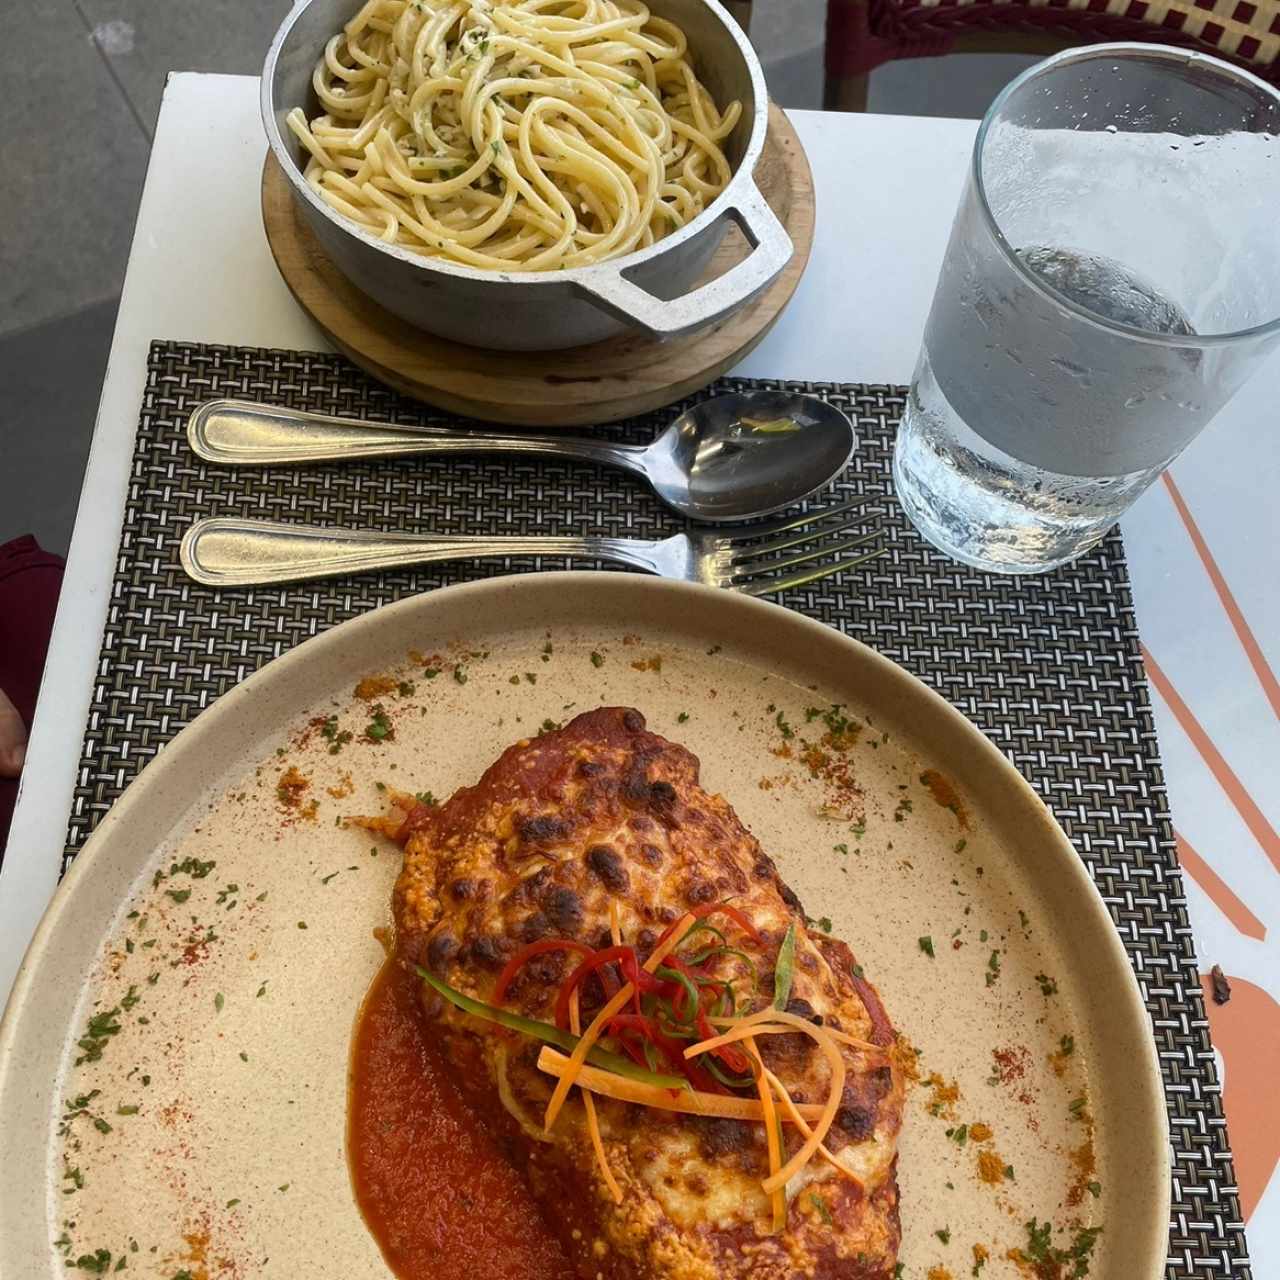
{"type": "Point", "coordinates": [577, 387]}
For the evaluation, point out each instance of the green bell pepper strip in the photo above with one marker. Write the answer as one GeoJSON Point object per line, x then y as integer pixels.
{"type": "Point", "coordinates": [549, 1034]}
{"type": "Point", "coordinates": [784, 969]}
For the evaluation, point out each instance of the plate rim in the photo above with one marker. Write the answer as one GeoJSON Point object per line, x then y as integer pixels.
{"type": "Point", "coordinates": [226, 707]}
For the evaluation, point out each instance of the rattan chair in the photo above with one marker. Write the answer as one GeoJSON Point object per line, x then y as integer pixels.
{"type": "Point", "coordinates": [863, 34]}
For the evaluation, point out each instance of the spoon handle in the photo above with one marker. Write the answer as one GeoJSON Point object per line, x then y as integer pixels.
{"type": "Point", "coordinates": [241, 433]}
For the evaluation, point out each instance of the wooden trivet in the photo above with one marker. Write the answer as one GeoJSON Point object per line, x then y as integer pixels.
{"type": "Point", "coordinates": [580, 386]}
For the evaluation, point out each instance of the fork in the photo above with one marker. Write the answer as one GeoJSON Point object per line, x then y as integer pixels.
{"type": "Point", "coordinates": [757, 559]}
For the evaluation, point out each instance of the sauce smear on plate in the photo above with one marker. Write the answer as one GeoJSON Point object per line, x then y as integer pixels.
{"type": "Point", "coordinates": [435, 1190]}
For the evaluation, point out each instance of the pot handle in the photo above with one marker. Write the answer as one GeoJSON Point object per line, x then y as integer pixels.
{"type": "Point", "coordinates": [771, 250]}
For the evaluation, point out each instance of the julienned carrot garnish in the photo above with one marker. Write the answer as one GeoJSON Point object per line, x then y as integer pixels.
{"type": "Point", "coordinates": [683, 1010]}
{"type": "Point", "coordinates": [593, 1124]}
{"type": "Point", "coordinates": [791, 1111]}
{"type": "Point", "coordinates": [600, 1021]}
{"type": "Point", "coordinates": [772, 1135]}
{"type": "Point", "coordinates": [764, 1023]}
{"type": "Point", "coordinates": [691, 1102]}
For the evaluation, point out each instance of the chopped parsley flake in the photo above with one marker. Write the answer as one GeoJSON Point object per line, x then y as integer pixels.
{"type": "Point", "coordinates": [102, 1026]}
{"type": "Point", "coordinates": [1047, 985]}
{"type": "Point", "coordinates": [337, 738]}
{"type": "Point", "coordinates": [179, 895]}
{"type": "Point", "coordinates": [1043, 1254]}
{"type": "Point", "coordinates": [127, 1110]}
{"type": "Point", "coordinates": [425, 797]}
{"type": "Point", "coordinates": [380, 727]}
{"type": "Point", "coordinates": [597, 658]}
{"type": "Point", "coordinates": [821, 1206]}
{"type": "Point", "coordinates": [218, 1001]}
{"type": "Point", "coordinates": [944, 1234]}
{"type": "Point", "coordinates": [97, 1263]}
{"type": "Point", "coordinates": [926, 945]}
{"type": "Point", "coordinates": [783, 727]}
{"type": "Point", "coordinates": [682, 717]}
{"type": "Point", "coordinates": [824, 924]}
{"type": "Point", "coordinates": [993, 968]}
{"type": "Point", "coordinates": [460, 674]}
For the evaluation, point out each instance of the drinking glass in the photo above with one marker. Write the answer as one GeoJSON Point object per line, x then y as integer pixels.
{"type": "Point", "coordinates": [1113, 277]}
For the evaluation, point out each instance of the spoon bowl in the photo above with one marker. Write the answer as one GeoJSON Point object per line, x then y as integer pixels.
{"type": "Point", "coordinates": [747, 454]}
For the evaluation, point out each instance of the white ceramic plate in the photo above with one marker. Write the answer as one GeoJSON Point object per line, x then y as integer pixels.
{"type": "Point", "coordinates": [232, 1044]}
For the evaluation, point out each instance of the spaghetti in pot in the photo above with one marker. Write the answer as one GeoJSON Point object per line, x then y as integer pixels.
{"type": "Point", "coordinates": [514, 135]}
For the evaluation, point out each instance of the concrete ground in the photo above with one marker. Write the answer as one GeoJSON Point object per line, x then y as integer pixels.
{"type": "Point", "coordinates": [75, 164]}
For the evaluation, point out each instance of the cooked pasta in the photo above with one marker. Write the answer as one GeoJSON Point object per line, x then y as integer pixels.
{"type": "Point", "coordinates": [513, 135]}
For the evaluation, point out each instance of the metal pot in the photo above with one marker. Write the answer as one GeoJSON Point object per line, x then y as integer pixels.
{"type": "Point", "coordinates": [647, 291]}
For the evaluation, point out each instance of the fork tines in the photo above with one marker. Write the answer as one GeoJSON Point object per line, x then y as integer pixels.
{"type": "Point", "coordinates": [821, 542]}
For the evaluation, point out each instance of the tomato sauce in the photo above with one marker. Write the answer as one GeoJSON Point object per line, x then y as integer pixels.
{"type": "Point", "coordinates": [436, 1191]}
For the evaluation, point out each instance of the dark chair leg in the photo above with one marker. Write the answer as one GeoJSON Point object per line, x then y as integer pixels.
{"type": "Point", "coordinates": [846, 93]}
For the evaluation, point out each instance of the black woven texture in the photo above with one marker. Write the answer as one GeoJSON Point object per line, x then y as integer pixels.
{"type": "Point", "coordinates": [1048, 667]}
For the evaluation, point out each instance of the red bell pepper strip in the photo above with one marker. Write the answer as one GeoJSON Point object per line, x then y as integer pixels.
{"type": "Point", "coordinates": [673, 1051]}
{"type": "Point", "coordinates": [625, 956]}
{"type": "Point", "coordinates": [525, 954]}
{"type": "Point", "coordinates": [728, 909]}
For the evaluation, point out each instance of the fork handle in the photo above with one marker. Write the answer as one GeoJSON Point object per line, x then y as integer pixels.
{"type": "Point", "coordinates": [227, 551]}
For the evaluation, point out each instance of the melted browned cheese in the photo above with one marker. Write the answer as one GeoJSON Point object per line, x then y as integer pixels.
{"type": "Point", "coordinates": [558, 827]}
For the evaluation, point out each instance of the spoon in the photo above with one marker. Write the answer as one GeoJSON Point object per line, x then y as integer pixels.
{"type": "Point", "coordinates": [732, 457]}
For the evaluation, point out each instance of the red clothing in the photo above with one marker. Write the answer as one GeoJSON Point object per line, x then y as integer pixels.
{"type": "Point", "coordinates": [30, 579]}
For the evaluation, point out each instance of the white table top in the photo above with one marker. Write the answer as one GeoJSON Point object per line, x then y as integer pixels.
{"type": "Point", "coordinates": [887, 186]}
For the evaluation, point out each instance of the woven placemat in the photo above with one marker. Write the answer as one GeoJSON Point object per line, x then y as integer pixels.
{"type": "Point", "coordinates": [1048, 667]}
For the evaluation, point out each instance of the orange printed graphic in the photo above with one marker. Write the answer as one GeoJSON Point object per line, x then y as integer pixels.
{"type": "Point", "coordinates": [1246, 1032]}
{"type": "Point", "coordinates": [1220, 893]}
{"type": "Point", "coordinates": [1253, 650]}
{"type": "Point", "coordinates": [1263, 832]}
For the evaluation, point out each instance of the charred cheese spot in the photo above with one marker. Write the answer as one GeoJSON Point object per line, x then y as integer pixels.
{"type": "Point", "coordinates": [534, 927]}
{"type": "Point", "coordinates": [439, 949]}
{"type": "Point", "coordinates": [651, 854]}
{"type": "Point", "coordinates": [697, 892]}
{"type": "Point", "coordinates": [633, 721]}
{"type": "Point", "coordinates": [543, 828]}
{"type": "Point", "coordinates": [489, 952]}
{"type": "Point", "coordinates": [563, 908]}
{"type": "Point", "coordinates": [608, 866]}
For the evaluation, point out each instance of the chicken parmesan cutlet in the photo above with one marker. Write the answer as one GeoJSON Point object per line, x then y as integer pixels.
{"type": "Point", "coordinates": [695, 1084]}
